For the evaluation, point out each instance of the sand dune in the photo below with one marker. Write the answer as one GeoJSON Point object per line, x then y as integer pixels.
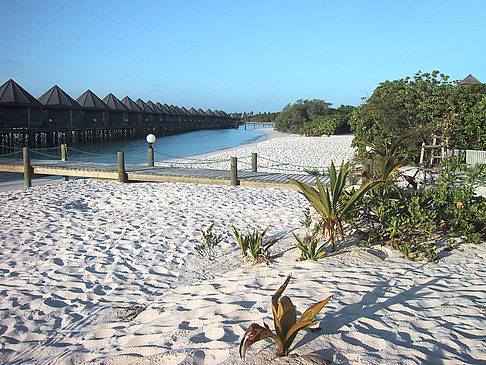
{"type": "Point", "coordinates": [77, 256]}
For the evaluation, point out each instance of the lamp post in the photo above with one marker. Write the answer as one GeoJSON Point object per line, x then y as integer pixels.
{"type": "Point", "coordinates": [151, 139]}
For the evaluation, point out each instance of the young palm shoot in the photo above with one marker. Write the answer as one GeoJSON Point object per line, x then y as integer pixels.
{"type": "Point", "coordinates": [285, 320]}
{"type": "Point", "coordinates": [334, 202]}
{"type": "Point", "coordinates": [252, 244]}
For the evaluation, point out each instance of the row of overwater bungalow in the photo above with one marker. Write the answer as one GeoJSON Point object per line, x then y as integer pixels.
{"type": "Point", "coordinates": [56, 110]}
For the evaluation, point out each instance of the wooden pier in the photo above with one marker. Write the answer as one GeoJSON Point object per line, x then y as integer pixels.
{"type": "Point", "coordinates": [140, 173]}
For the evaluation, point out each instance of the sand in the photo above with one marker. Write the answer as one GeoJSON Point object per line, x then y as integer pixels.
{"type": "Point", "coordinates": [76, 254]}
{"type": "Point", "coordinates": [291, 153]}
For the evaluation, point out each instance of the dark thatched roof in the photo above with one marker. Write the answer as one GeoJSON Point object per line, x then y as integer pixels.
{"type": "Point", "coordinates": [154, 107]}
{"type": "Point", "coordinates": [210, 113]}
{"type": "Point", "coordinates": [175, 110]}
{"type": "Point", "coordinates": [12, 94]}
{"type": "Point", "coordinates": [88, 100]}
{"type": "Point", "coordinates": [202, 112]}
{"type": "Point", "coordinates": [114, 103]}
{"type": "Point", "coordinates": [469, 80]}
{"type": "Point", "coordinates": [131, 105]}
{"type": "Point", "coordinates": [193, 112]}
{"type": "Point", "coordinates": [163, 108]}
{"type": "Point", "coordinates": [57, 98]}
{"type": "Point", "coordinates": [185, 111]}
{"type": "Point", "coordinates": [143, 105]}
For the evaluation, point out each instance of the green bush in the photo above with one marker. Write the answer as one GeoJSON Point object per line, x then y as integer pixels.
{"type": "Point", "coordinates": [252, 245]}
{"type": "Point", "coordinates": [426, 104]}
{"type": "Point", "coordinates": [413, 222]}
{"type": "Point", "coordinates": [209, 241]}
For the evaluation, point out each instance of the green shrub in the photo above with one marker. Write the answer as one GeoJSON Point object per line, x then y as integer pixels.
{"type": "Point", "coordinates": [252, 244]}
{"type": "Point", "coordinates": [413, 222]}
{"type": "Point", "coordinates": [209, 241]}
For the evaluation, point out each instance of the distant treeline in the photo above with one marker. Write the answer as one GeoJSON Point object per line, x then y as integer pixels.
{"type": "Point", "coordinates": [257, 118]}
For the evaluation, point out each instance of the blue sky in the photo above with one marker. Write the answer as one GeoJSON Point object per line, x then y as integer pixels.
{"type": "Point", "coordinates": [237, 55]}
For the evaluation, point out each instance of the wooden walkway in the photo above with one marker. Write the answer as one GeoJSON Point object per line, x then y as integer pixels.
{"type": "Point", "coordinates": [140, 173]}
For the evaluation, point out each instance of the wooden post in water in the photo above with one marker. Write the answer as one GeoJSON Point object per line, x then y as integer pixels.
{"type": "Point", "coordinates": [253, 162]}
{"type": "Point", "coordinates": [234, 171]}
{"type": "Point", "coordinates": [27, 168]}
{"type": "Point", "coordinates": [122, 176]}
{"type": "Point", "coordinates": [64, 157]}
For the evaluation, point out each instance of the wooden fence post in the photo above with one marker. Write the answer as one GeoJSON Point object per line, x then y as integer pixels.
{"type": "Point", "coordinates": [27, 168]}
{"type": "Point", "coordinates": [253, 162]}
{"type": "Point", "coordinates": [151, 156]}
{"type": "Point", "coordinates": [64, 157]}
{"type": "Point", "coordinates": [234, 171]}
{"type": "Point", "coordinates": [122, 176]}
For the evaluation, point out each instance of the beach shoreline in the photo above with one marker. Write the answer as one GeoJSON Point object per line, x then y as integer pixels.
{"type": "Point", "coordinates": [18, 183]}
{"type": "Point", "coordinates": [79, 257]}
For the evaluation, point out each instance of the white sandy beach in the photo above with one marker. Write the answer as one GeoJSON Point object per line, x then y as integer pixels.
{"type": "Point", "coordinates": [75, 253]}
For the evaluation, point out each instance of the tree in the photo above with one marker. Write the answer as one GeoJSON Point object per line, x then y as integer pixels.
{"type": "Point", "coordinates": [426, 105]}
{"type": "Point", "coordinates": [336, 122]}
{"type": "Point", "coordinates": [294, 116]}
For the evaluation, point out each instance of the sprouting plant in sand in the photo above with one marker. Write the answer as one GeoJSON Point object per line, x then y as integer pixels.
{"type": "Point", "coordinates": [285, 321]}
{"type": "Point", "coordinates": [309, 245]}
{"type": "Point", "coordinates": [252, 244]}
{"type": "Point", "coordinates": [333, 202]}
{"type": "Point", "coordinates": [209, 241]}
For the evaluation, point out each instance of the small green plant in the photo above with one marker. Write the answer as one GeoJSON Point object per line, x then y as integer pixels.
{"type": "Point", "coordinates": [334, 202]}
{"type": "Point", "coordinates": [209, 241]}
{"type": "Point", "coordinates": [285, 321]}
{"type": "Point", "coordinates": [252, 244]}
{"type": "Point", "coordinates": [313, 172]}
{"type": "Point", "coordinates": [307, 221]}
{"type": "Point", "coordinates": [309, 244]}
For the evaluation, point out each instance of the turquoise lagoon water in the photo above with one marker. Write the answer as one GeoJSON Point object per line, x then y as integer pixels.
{"type": "Point", "coordinates": [166, 148]}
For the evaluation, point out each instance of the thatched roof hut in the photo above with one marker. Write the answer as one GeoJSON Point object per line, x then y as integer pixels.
{"type": "Point", "coordinates": [118, 111]}
{"type": "Point", "coordinates": [157, 112]}
{"type": "Point", "coordinates": [135, 114]}
{"type": "Point", "coordinates": [165, 117]}
{"type": "Point", "coordinates": [147, 111]}
{"type": "Point", "coordinates": [469, 80]}
{"type": "Point", "coordinates": [59, 109]}
{"type": "Point", "coordinates": [94, 112]}
{"type": "Point", "coordinates": [18, 109]}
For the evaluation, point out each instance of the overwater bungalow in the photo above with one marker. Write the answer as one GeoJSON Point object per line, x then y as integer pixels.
{"type": "Point", "coordinates": [204, 118]}
{"type": "Point", "coordinates": [94, 112]}
{"type": "Point", "coordinates": [177, 113]}
{"type": "Point", "coordinates": [165, 113]}
{"type": "Point", "coordinates": [196, 117]}
{"type": "Point", "coordinates": [147, 112]}
{"type": "Point", "coordinates": [135, 113]}
{"type": "Point", "coordinates": [212, 117]}
{"type": "Point", "coordinates": [172, 113]}
{"type": "Point", "coordinates": [60, 110]}
{"type": "Point", "coordinates": [18, 109]}
{"type": "Point", "coordinates": [118, 114]}
{"type": "Point", "coordinates": [157, 113]}
{"type": "Point", "coordinates": [186, 117]}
